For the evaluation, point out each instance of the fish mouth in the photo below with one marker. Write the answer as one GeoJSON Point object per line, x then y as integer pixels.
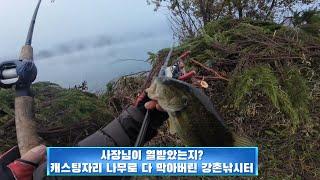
{"type": "Point", "coordinates": [171, 94]}
{"type": "Point", "coordinates": [167, 81]}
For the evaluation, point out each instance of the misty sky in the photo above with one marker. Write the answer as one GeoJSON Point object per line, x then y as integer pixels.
{"type": "Point", "coordinates": [82, 40]}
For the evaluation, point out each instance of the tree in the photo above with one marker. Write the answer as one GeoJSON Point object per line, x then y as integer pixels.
{"type": "Point", "coordinates": [308, 21]}
{"type": "Point", "coordinates": [188, 16]}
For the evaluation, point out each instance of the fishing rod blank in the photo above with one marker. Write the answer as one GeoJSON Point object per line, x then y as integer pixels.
{"type": "Point", "coordinates": [146, 120]}
{"type": "Point", "coordinates": [33, 21]}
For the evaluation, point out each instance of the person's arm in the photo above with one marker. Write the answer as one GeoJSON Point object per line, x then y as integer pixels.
{"type": "Point", "coordinates": [123, 131]}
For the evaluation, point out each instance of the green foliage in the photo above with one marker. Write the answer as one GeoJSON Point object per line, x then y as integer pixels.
{"type": "Point", "coordinates": [190, 16]}
{"type": "Point", "coordinates": [152, 57]}
{"type": "Point", "coordinates": [109, 86]}
{"type": "Point", "coordinates": [59, 109]}
{"type": "Point", "coordinates": [227, 24]}
{"type": "Point", "coordinates": [6, 102]}
{"type": "Point", "coordinates": [122, 92]}
{"type": "Point", "coordinates": [219, 38]}
{"type": "Point", "coordinates": [263, 60]}
{"type": "Point", "coordinates": [274, 106]}
{"type": "Point", "coordinates": [292, 102]}
{"type": "Point", "coordinates": [268, 26]}
{"type": "Point", "coordinates": [220, 26]}
{"type": "Point", "coordinates": [271, 95]}
{"type": "Point", "coordinates": [308, 21]}
{"type": "Point", "coordinates": [72, 105]}
{"type": "Point", "coordinates": [298, 91]}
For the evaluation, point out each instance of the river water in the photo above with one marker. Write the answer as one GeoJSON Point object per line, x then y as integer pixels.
{"type": "Point", "coordinates": [84, 40]}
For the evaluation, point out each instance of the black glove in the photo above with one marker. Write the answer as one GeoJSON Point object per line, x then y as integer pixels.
{"type": "Point", "coordinates": [132, 126]}
{"type": "Point", "coordinates": [157, 117]}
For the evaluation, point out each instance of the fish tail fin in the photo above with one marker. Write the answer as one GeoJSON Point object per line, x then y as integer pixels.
{"type": "Point", "coordinates": [242, 141]}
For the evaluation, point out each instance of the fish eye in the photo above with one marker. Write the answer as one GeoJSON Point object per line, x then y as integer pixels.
{"type": "Point", "coordinates": [185, 100]}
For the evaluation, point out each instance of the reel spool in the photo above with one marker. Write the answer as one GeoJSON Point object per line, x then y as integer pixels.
{"type": "Point", "coordinates": [17, 73]}
{"type": "Point", "coordinates": [8, 73]}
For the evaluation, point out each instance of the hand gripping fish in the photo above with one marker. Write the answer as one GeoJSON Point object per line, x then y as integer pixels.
{"type": "Point", "coordinates": [192, 114]}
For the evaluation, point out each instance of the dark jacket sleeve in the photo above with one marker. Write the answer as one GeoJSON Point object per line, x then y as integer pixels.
{"type": "Point", "coordinates": [122, 131]}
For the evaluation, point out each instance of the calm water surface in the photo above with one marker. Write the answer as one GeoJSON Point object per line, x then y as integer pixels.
{"type": "Point", "coordinates": [84, 40]}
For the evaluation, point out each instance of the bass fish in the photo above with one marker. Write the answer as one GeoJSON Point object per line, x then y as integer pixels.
{"type": "Point", "coordinates": [192, 114]}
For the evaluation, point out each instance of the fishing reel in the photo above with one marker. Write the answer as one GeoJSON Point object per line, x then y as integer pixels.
{"type": "Point", "coordinates": [17, 73]}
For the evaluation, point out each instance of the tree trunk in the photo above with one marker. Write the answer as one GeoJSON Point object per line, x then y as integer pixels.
{"type": "Point", "coordinates": [202, 5]}
{"type": "Point", "coordinates": [240, 9]}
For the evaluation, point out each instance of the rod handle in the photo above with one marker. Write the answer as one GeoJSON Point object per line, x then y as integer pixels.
{"type": "Point", "coordinates": [26, 52]}
{"type": "Point", "coordinates": [27, 136]}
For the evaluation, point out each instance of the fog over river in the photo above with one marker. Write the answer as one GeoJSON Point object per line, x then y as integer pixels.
{"type": "Point", "coordinates": [84, 40]}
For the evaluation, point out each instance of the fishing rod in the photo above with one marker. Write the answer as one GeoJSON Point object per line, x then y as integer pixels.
{"type": "Point", "coordinates": [33, 21]}
{"type": "Point", "coordinates": [174, 71]}
{"type": "Point", "coordinates": [146, 120]}
{"type": "Point", "coordinates": [20, 74]}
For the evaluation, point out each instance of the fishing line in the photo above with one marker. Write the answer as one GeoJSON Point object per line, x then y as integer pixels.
{"type": "Point", "coordinates": [146, 120]}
